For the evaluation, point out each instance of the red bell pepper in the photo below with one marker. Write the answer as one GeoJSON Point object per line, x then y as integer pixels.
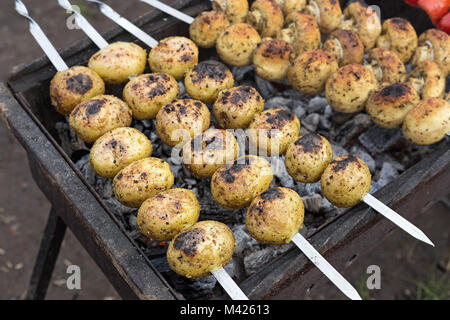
{"type": "Point", "coordinates": [444, 24]}
{"type": "Point", "coordinates": [436, 9]}
{"type": "Point", "coordinates": [412, 2]}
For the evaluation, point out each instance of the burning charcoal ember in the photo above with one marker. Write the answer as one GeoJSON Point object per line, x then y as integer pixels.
{"type": "Point", "coordinates": [265, 88]}
{"type": "Point", "coordinates": [116, 207]}
{"type": "Point", "coordinates": [192, 288]}
{"type": "Point", "coordinates": [161, 264]}
{"type": "Point", "coordinates": [324, 123]}
{"type": "Point", "coordinates": [364, 156]}
{"type": "Point", "coordinates": [378, 140]}
{"type": "Point", "coordinates": [261, 255]}
{"type": "Point", "coordinates": [231, 268]}
{"type": "Point", "coordinates": [387, 174]}
{"type": "Point", "coordinates": [338, 150]}
{"type": "Point", "coordinates": [299, 109]}
{"type": "Point", "coordinates": [70, 142]}
{"type": "Point", "coordinates": [311, 122]}
{"type": "Point", "coordinates": [313, 203]}
{"type": "Point", "coordinates": [86, 169]}
{"type": "Point", "coordinates": [243, 239]}
{"type": "Point", "coordinates": [280, 172]}
{"type": "Point", "coordinates": [382, 158]}
{"type": "Point", "coordinates": [239, 73]}
{"type": "Point", "coordinates": [317, 105]}
{"type": "Point", "coordinates": [352, 129]}
{"type": "Point", "coordinates": [278, 102]}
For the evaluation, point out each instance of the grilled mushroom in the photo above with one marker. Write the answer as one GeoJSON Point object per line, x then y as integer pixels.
{"type": "Point", "coordinates": [148, 93]}
{"type": "Point", "coordinates": [94, 117]}
{"type": "Point", "coordinates": [207, 152]}
{"type": "Point", "coordinates": [200, 249]}
{"type": "Point", "coordinates": [346, 46]}
{"type": "Point", "coordinates": [236, 107]}
{"type": "Point", "coordinates": [118, 62]}
{"type": "Point", "coordinates": [273, 130]}
{"type": "Point", "coordinates": [307, 157]}
{"type": "Point", "coordinates": [207, 79]}
{"type": "Point", "coordinates": [118, 148]}
{"type": "Point", "coordinates": [328, 13]}
{"type": "Point", "coordinates": [386, 66]}
{"type": "Point", "coordinates": [289, 6]}
{"type": "Point", "coordinates": [309, 71]}
{"type": "Point", "coordinates": [428, 80]}
{"type": "Point", "coordinates": [399, 36]}
{"type": "Point", "coordinates": [434, 45]}
{"type": "Point", "coordinates": [236, 44]}
{"type": "Point", "coordinates": [266, 17]}
{"type": "Point", "coordinates": [272, 58]}
{"type": "Point", "coordinates": [364, 21]}
{"type": "Point", "coordinates": [389, 106]}
{"type": "Point", "coordinates": [181, 120]}
{"type": "Point", "coordinates": [164, 215]}
{"type": "Point", "coordinates": [346, 181]}
{"type": "Point", "coordinates": [236, 10]}
{"type": "Point", "coordinates": [235, 185]}
{"type": "Point", "coordinates": [275, 216]}
{"type": "Point", "coordinates": [207, 27]}
{"type": "Point", "coordinates": [302, 32]}
{"type": "Point", "coordinates": [70, 87]}
{"type": "Point", "coordinates": [428, 122]}
{"type": "Point", "coordinates": [174, 56]}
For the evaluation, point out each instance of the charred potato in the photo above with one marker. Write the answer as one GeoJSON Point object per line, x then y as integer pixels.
{"type": "Point", "coordinates": [207, 27]}
{"type": "Point", "coordinates": [141, 180]}
{"type": "Point", "coordinates": [273, 130]}
{"type": "Point", "coordinates": [200, 249]}
{"type": "Point", "coordinates": [328, 14]}
{"type": "Point", "coordinates": [118, 148]}
{"type": "Point", "coordinates": [307, 157]}
{"type": "Point", "coordinates": [389, 106]}
{"type": "Point", "coordinates": [207, 79]}
{"type": "Point", "coordinates": [348, 89]}
{"type": "Point", "coordinates": [236, 44]}
{"type": "Point", "coordinates": [266, 17]}
{"type": "Point", "coordinates": [310, 71]}
{"type": "Point", "coordinates": [434, 44]}
{"type": "Point", "coordinates": [207, 152]}
{"type": "Point", "coordinates": [346, 46]}
{"type": "Point", "coordinates": [181, 120]}
{"type": "Point", "coordinates": [346, 181]}
{"type": "Point", "coordinates": [399, 36]}
{"type": "Point", "coordinates": [70, 87]}
{"type": "Point", "coordinates": [164, 215]}
{"type": "Point", "coordinates": [236, 107]}
{"type": "Point", "coordinates": [174, 56]}
{"type": "Point", "coordinates": [236, 10]}
{"type": "Point", "coordinates": [148, 93]}
{"type": "Point", "coordinates": [289, 6]}
{"type": "Point", "coordinates": [94, 117]}
{"type": "Point", "coordinates": [275, 216]}
{"type": "Point", "coordinates": [235, 185]}
{"type": "Point", "coordinates": [386, 66]}
{"type": "Point", "coordinates": [428, 80]}
{"type": "Point", "coordinates": [428, 122]}
{"type": "Point", "coordinates": [119, 61]}
{"type": "Point", "coordinates": [271, 59]}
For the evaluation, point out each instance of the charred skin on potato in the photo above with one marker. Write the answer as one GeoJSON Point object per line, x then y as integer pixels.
{"type": "Point", "coordinates": [272, 58]}
{"type": "Point", "coordinates": [207, 27]}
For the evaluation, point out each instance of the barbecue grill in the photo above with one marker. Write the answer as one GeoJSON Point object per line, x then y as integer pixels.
{"type": "Point", "coordinates": [25, 109]}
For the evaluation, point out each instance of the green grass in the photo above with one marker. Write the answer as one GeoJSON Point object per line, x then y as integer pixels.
{"type": "Point", "coordinates": [435, 288]}
{"type": "Point", "coordinates": [363, 291]}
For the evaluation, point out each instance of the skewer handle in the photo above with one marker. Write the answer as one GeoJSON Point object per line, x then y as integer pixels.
{"type": "Point", "coordinates": [229, 285]}
{"type": "Point", "coordinates": [169, 10]}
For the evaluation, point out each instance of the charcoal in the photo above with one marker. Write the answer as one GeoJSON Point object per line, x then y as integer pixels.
{"type": "Point", "coordinates": [265, 88]}
{"type": "Point", "coordinates": [364, 156]}
{"type": "Point", "coordinates": [317, 105]}
{"type": "Point", "coordinates": [311, 122]}
{"type": "Point", "coordinates": [117, 208]}
{"type": "Point", "coordinates": [231, 268]}
{"type": "Point", "coordinates": [326, 206]}
{"type": "Point", "coordinates": [280, 172]}
{"type": "Point", "coordinates": [256, 259]}
{"type": "Point", "coordinates": [324, 123]}
{"type": "Point", "coordinates": [298, 109]}
{"type": "Point", "coordinates": [378, 140]}
{"type": "Point", "coordinates": [387, 174]}
{"type": "Point", "coordinates": [313, 203]}
{"type": "Point", "coordinates": [243, 239]}
{"type": "Point", "coordinates": [352, 129]}
{"type": "Point", "coordinates": [338, 150]}
{"type": "Point", "coordinates": [278, 102]}
{"type": "Point", "coordinates": [193, 288]}
{"type": "Point", "coordinates": [182, 88]}
{"type": "Point", "coordinates": [382, 158]}
{"type": "Point", "coordinates": [240, 72]}
{"type": "Point", "coordinates": [161, 264]}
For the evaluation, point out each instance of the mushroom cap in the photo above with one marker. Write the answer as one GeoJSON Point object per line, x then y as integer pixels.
{"type": "Point", "coordinates": [275, 216]}
{"type": "Point", "coordinates": [364, 21]}
{"type": "Point", "coordinates": [302, 32]}
{"type": "Point", "coordinates": [346, 181]}
{"type": "Point", "coordinates": [204, 81]}
{"type": "Point", "coordinates": [274, 129]}
{"type": "Point", "coordinates": [289, 6]}
{"type": "Point", "coordinates": [207, 152]}
{"type": "Point", "coordinates": [272, 58]}
{"type": "Point", "coordinates": [266, 17]}
{"type": "Point", "coordinates": [386, 66]}
{"type": "Point", "coordinates": [399, 36]}
{"type": "Point", "coordinates": [307, 157]}
{"type": "Point", "coordinates": [203, 247]}
{"type": "Point", "coordinates": [174, 56]}
{"type": "Point", "coordinates": [70, 87]}
{"type": "Point", "coordinates": [428, 80]}
{"type": "Point", "coordinates": [389, 106]}
{"type": "Point", "coordinates": [236, 10]}
{"type": "Point", "coordinates": [310, 71]}
{"type": "Point", "coordinates": [236, 107]}
{"type": "Point", "coordinates": [434, 44]}
{"type": "Point", "coordinates": [328, 13]}
{"type": "Point", "coordinates": [146, 94]}
{"type": "Point", "coordinates": [348, 89]}
{"type": "Point", "coordinates": [428, 122]}
{"type": "Point", "coordinates": [181, 120]}
{"type": "Point", "coordinates": [236, 44]}
{"type": "Point", "coordinates": [207, 27]}
{"type": "Point", "coordinates": [346, 47]}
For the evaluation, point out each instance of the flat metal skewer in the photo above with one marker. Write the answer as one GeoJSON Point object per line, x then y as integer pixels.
{"type": "Point", "coordinates": [324, 266]}
{"type": "Point", "coordinates": [41, 38]}
{"type": "Point", "coordinates": [229, 285]}
{"type": "Point", "coordinates": [169, 10]}
{"type": "Point", "coordinates": [124, 23]}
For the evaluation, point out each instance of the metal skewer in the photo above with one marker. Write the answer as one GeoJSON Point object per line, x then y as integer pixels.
{"type": "Point", "coordinates": [229, 285]}
{"type": "Point", "coordinates": [169, 10]}
{"type": "Point", "coordinates": [124, 23]}
{"type": "Point", "coordinates": [41, 38]}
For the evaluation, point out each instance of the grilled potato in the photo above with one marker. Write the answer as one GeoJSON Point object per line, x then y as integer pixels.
{"type": "Point", "coordinates": [386, 66]}
{"type": "Point", "coordinates": [236, 10]}
{"type": "Point", "coordinates": [266, 17]}
{"type": "Point", "coordinates": [328, 13]}
{"type": "Point", "coordinates": [346, 46]}
{"type": "Point", "coordinates": [207, 27]}
{"type": "Point", "coordinates": [271, 59]}
{"type": "Point", "coordinates": [428, 80]}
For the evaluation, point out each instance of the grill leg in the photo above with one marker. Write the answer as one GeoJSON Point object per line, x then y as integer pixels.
{"type": "Point", "coordinates": [46, 259]}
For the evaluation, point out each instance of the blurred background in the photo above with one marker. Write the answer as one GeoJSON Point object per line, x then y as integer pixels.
{"type": "Point", "coordinates": [409, 269]}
